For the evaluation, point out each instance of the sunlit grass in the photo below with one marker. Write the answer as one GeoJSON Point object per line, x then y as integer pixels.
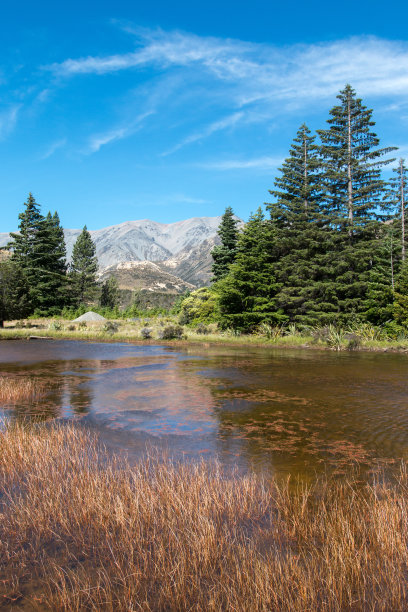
{"type": "Point", "coordinates": [330, 337]}
{"type": "Point", "coordinates": [80, 531]}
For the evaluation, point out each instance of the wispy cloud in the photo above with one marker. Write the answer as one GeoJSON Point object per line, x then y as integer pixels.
{"type": "Point", "coordinates": [58, 144]}
{"type": "Point", "coordinates": [261, 71]}
{"type": "Point", "coordinates": [97, 141]}
{"type": "Point", "coordinates": [210, 129]}
{"type": "Point", "coordinates": [259, 163]}
{"type": "Point", "coordinates": [224, 84]}
{"type": "Point", "coordinates": [8, 120]}
{"type": "Point", "coordinates": [180, 198]}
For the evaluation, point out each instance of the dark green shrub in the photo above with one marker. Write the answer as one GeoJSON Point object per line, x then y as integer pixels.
{"type": "Point", "coordinates": [172, 332]}
{"type": "Point", "coordinates": [110, 327]}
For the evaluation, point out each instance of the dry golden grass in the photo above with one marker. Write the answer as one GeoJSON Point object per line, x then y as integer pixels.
{"type": "Point", "coordinates": [80, 531]}
{"type": "Point", "coordinates": [14, 389]}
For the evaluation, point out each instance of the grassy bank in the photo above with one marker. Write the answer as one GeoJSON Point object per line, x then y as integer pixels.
{"type": "Point", "coordinates": [80, 531]}
{"type": "Point", "coordinates": [364, 337]}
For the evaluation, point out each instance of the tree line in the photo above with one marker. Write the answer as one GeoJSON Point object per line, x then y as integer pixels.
{"type": "Point", "coordinates": [36, 278]}
{"type": "Point", "coordinates": [331, 247]}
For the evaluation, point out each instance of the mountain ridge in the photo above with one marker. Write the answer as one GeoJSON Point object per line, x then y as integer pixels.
{"type": "Point", "coordinates": [181, 250]}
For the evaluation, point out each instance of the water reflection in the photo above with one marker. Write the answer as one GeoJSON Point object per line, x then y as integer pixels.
{"type": "Point", "coordinates": [284, 411]}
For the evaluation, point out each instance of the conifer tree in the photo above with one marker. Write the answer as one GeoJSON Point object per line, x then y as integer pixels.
{"type": "Point", "coordinates": [300, 229]}
{"type": "Point", "coordinates": [352, 163]}
{"type": "Point", "coordinates": [109, 293]}
{"type": "Point", "coordinates": [39, 251]}
{"type": "Point", "coordinates": [49, 259]}
{"type": "Point", "coordinates": [247, 293]}
{"type": "Point", "coordinates": [398, 195]}
{"type": "Point", "coordinates": [84, 266]}
{"type": "Point", "coordinates": [224, 254]}
{"type": "Point", "coordinates": [14, 303]}
{"type": "Point", "coordinates": [354, 192]}
{"type": "Point", "coordinates": [401, 297]}
{"type": "Point", "coordinates": [25, 243]}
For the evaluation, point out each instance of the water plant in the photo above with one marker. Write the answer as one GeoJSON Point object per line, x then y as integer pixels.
{"type": "Point", "coordinates": [14, 389]}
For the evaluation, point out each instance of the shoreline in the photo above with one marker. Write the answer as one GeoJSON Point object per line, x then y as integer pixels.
{"type": "Point", "coordinates": [290, 342]}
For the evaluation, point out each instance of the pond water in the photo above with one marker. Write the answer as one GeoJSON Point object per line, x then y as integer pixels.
{"type": "Point", "coordinates": [285, 411]}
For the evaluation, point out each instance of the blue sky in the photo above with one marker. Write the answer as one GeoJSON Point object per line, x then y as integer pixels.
{"type": "Point", "coordinates": [112, 111]}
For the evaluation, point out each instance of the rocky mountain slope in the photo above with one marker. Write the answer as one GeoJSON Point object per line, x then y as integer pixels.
{"type": "Point", "coordinates": [137, 275]}
{"type": "Point", "coordinates": [179, 253]}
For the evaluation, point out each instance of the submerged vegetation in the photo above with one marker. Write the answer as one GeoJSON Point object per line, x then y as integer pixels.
{"type": "Point", "coordinates": [166, 536]}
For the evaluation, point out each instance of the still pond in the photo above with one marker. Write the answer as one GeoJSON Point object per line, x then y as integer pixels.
{"type": "Point", "coordinates": [294, 412]}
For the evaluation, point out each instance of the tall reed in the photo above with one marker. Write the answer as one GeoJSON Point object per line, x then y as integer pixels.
{"type": "Point", "coordinates": [14, 389]}
{"type": "Point", "coordinates": [81, 531]}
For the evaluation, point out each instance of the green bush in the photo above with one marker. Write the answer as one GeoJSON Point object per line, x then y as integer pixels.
{"type": "Point", "coordinates": [201, 306]}
{"type": "Point", "coordinates": [55, 326]}
{"type": "Point", "coordinates": [146, 333]}
{"type": "Point", "coordinates": [172, 332]}
{"type": "Point", "coordinates": [110, 327]}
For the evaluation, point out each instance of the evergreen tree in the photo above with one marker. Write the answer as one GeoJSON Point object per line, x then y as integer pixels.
{"type": "Point", "coordinates": [401, 297]}
{"type": "Point", "coordinates": [109, 293]}
{"type": "Point", "coordinates": [14, 302]}
{"type": "Point", "coordinates": [397, 196]}
{"type": "Point", "coordinates": [49, 259]}
{"type": "Point", "coordinates": [24, 244]}
{"type": "Point", "coordinates": [224, 254]}
{"type": "Point", "coordinates": [38, 250]}
{"type": "Point", "coordinates": [84, 266]}
{"type": "Point", "coordinates": [352, 164]}
{"type": "Point", "coordinates": [300, 229]}
{"type": "Point", "coordinates": [354, 194]}
{"type": "Point", "coordinates": [247, 293]}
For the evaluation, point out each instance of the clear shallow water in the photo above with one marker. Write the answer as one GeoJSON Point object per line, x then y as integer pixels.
{"type": "Point", "coordinates": [286, 411]}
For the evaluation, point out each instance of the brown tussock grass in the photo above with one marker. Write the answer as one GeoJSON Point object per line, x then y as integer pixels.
{"type": "Point", "coordinates": [82, 531]}
{"type": "Point", "coordinates": [14, 389]}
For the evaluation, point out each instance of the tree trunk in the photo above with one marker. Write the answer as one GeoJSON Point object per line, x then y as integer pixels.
{"type": "Point", "coordinates": [349, 177]}
{"type": "Point", "coordinates": [402, 212]}
{"type": "Point", "coordinates": [305, 166]}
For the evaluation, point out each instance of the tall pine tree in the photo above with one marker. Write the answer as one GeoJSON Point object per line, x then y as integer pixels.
{"type": "Point", "coordinates": [38, 250]}
{"type": "Point", "coordinates": [49, 258]}
{"type": "Point", "coordinates": [24, 245]}
{"type": "Point", "coordinates": [84, 266]}
{"type": "Point", "coordinates": [247, 293]}
{"type": "Point", "coordinates": [224, 254]}
{"type": "Point", "coordinates": [300, 230]}
{"type": "Point", "coordinates": [354, 192]}
{"type": "Point", "coordinates": [14, 302]}
{"type": "Point", "coordinates": [397, 196]}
